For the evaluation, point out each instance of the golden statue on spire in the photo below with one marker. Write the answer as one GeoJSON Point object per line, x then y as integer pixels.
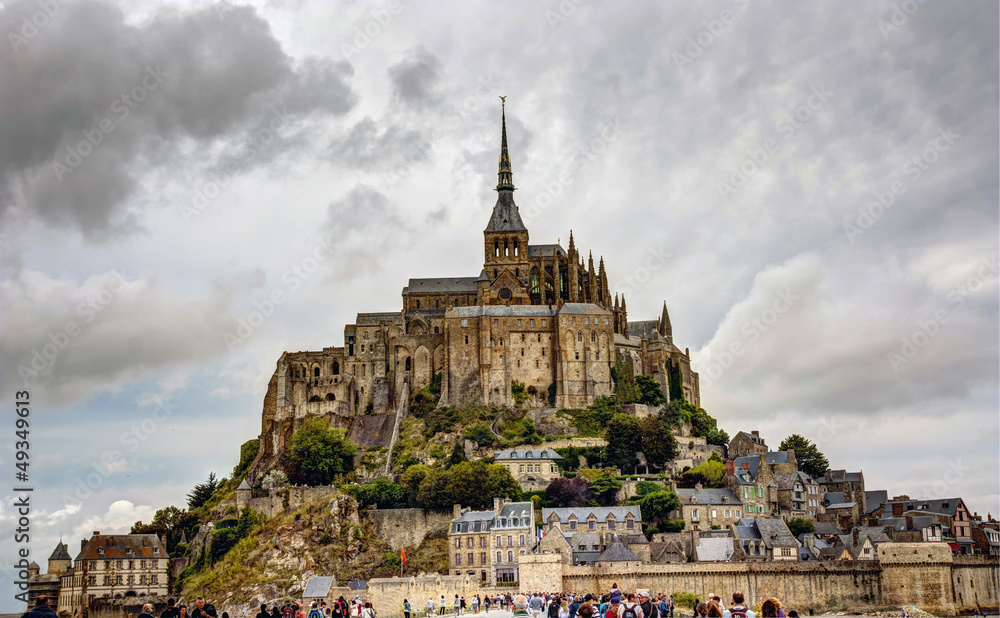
{"type": "Point", "coordinates": [503, 101]}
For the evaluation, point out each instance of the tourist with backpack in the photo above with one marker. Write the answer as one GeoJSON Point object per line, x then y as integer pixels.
{"type": "Point", "coordinates": [630, 608]}
{"type": "Point", "coordinates": [738, 609]}
{"type": "Point", "coordinates": [314, 611]}
{"type": "Point", "coordinates": [406, 608]}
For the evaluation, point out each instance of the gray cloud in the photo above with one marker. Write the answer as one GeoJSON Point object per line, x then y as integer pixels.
{"type": "Point", "coordinates": [91, 102]}
{"type": "Point", "coordinates": [415, 80]}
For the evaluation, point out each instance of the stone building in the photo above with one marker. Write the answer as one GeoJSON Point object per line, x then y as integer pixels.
{"type": "Point", "coordinates": [744, 444]}
{"type": "Point", "coordinates": [752, 479]}
{"type": "Point", "coordinates": [764, 540]}
{"type": "Point", "coordinates": [534, 469]}
{"type": "Point", "coordinates": [48, 583]}
{"type": "Point", "coordinates": [114, 565]}
{"type": "Point", "coordinates": [850, 484]}
{"type": "Point", "coordinates": [799, 495]}
{"type": "Point", "coordinates": [488, 544]}
{"type": "Point", "coordinates": [537, 317]}
{"type": "Point", "coordinates": [705, 509]}
{"type": "Point", "coordinates": [954, 516]}
{"type": "Point", "coordinates": [615, 519]}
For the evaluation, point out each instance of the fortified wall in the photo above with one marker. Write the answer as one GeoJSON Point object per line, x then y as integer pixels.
{"type": "Point", "coordinates": [921, 574]}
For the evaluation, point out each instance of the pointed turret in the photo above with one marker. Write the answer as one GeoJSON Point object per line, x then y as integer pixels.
{"type": "Point", "coordinates": [591, 280]}
{"type": "Point", "coordinates": [624, 317]}
{"type": "Point", "coordinates": [572, 245]}
{"type": "Point", "coordinates": [664, 326]}
{"type": "Point", "coordinates": [505, 175]}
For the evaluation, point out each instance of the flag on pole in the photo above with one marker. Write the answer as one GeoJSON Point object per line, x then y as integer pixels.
{"type": "Point", "coordinates": [402, 555]}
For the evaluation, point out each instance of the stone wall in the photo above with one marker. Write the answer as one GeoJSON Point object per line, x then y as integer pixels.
{"type": "Point", "coordinates": [975, 583]}
{"type": "Point", "coordinates": [274, 502]}
{"type": "Point", "coordinates": [387, 594]}
{"type": "Point", "coordinates": [407, 527]}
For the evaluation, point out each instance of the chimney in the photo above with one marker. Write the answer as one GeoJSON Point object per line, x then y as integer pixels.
{"type": "Point", "coordinates": [909, 522]}
{"type": "Point", "coordinates": [730, 468]}
{"type": "Point", "coordinates": [456, 511]}
{"type": "Point", "coordinates": [97, 533]}
{"type": "Point", "coordinates": [83, 544]}
{"type": "Point", "coordinates": [697, 486]}
{"type": "Point", "coordinates": [897, 509]}
{"type": "Point", "coordinates": [497, 505]}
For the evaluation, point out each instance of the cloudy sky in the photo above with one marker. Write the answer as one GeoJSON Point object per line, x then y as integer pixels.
{"type": "Point", "coordinates": [811, 188]}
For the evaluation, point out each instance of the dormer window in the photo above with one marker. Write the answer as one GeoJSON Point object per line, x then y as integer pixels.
{"type": "Point", "coordinates": [100, 552]}
{"type": "Point", "coordinates": [128, 550]}
{"type": "Point", "coordinates": [528, 455]}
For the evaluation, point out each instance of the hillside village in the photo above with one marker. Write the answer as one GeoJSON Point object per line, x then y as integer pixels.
{"type": "Point", "coordinates": [503, 423]}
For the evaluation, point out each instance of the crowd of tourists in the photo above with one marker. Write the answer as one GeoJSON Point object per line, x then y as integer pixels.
{"type": "Point", "coordinates": [613, 604]}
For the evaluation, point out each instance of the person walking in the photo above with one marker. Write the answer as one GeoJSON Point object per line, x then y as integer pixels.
{"type": "Point", "coordinates": [738, 609]}
{"type": "Point", "coordinates": [406, 608]}
{"type": "Point", "coordinates": [430, 607]}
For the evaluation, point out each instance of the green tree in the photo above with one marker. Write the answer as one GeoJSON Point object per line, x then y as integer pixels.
{"type": "Point", "coordinates": [650, 392]}
{"type": "Point", "coordinates": [435, 489]}
{"type": "Point", "coordinates": [604, 489]}
{"type": "Point", "coordinates": [643, 488]}
{"type": "Point", "coordinates": [702, 423]}
{"type": "Point", "coordinates": [624, 440]}
{"type": "Point", "coordinates": [709, 473]}
{"type": "Point", "coordinates": [381, 492]}
{"type": "Point", "coordinates": [457, 454]}
{"type": "Point", "coordinates": [807, 456]}
{"type": "Point", "coordinates": [657, 506]}
{"type": "Point", "coordinates": [480, 434]}
{"type": "Point", "coordinates": [222, 541]}
{"type": "Point", "coordinates": [410, 481]}
{"type": "Point", "coordinates": [202, 492]}
{"type": "Point", "coordinates": [718, 437]}
{"type": "Point", "coordinates": [800, 525]}
{"type": "Point", "coordinates": [248, 452]}
{"type": "Point", "coordinates": [658, 444]}
{"type": "Point", "coordinates": [318, 454]}
{"type": "Point", "coordinates": [676, 413]}
{"type": "Point", "coordinates": [625, 388]}
{"type": "Point", "coordinates": [675, 382]}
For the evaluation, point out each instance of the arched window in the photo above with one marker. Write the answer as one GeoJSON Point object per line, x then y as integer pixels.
{"type": "Point", "coordinates": [336, 368]}
{"type": "Point", "coordinates": [315, 372]}
{"type": "Point", "coordinates": [506, 248]}
{"type": "Point", "coordinates": [534, 281]}
{"type": "Point", "coordinates": [407, 363]}
{"type": "Point", "coordinates": [330, 397]}
{"type": "Point", "coordinates": [496, 248]}
{"type": "Point", "coordinates": [515, 246]}
{"type": "Point", "coordinates": [314, 399]}
{"type": "Point", "coordinates": [579, 335]}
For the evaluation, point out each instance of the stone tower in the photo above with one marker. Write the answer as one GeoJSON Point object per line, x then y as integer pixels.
{"type": "Point", "coordinates": [505, 236]}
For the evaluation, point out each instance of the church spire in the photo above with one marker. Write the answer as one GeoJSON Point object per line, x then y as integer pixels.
{"type": "Point", "coordinates": [505, 176]}
{"type": "Point", "coordinates": [665, 329]}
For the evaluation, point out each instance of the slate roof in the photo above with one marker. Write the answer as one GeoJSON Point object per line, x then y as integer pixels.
{"type": "Point", "coordinates": [714, 549]}
{"type": "Point", "coordinates": [505, 217]}
{"type": "Point", "coordinates": [643, 329]}
{"type": "Point", "coordinates": [708, 496]}
{"type": "Point", "coordinates": [117, 545]}
{"type": "Point", "coordinates": [545, 250]}
{"type": "Point", "coordinates": [617, 552]}
{"type": "Point", "coordinates": [746, 476]}
{"type": "Point", "coordinates": [318, 586]}
{"type": "Point", "coordinates": [441, 284]}
{"type": "Point", "coordinates": [244, 485]}
{"type": "Point", "coordinates": [515, 509]}
{"type": "Point", "coordinates": [622, 340]}
{"type": "Point", "coordinates": [377, 318]}
{"type": "Point", "coordinates": [787, 481]}
{"type": "Point", "coordinates": [897, 523]}
{"type": "Point", "coordinates": [826, 528]}
{"type": "Point", "coordinates": [529, 453]}
{"type": "Point", "coordinates": [841, 505]}
{"type": "Point", "coordinates": [60, 552]}
{"type": "Point", "coordinates": [875, 499]}
{"type": "Point", "coordinates": [946, 506]}
{"type": "Point", "coordinates": [753, 438]}
{"type": "Point", "coordinates": [599, 512]}
{"type": "Point", "coordinates": [583, 309]}
{"type": "Point", "coordinates": [833, 497]}
{"type": "Point", "coordinates": [840, 476]}
{"type": "Point", "coordinates": [476, 311]}
{"type": "Point", "coordinates": [773, 532]}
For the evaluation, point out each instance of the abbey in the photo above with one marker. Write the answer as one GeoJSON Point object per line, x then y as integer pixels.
{"type": "Point", "coordinates": [537, 318]}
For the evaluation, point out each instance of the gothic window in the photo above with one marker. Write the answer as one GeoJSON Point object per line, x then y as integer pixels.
{"type": "Point", "coordinates": [515, 246]}
{"type": "Point", "coordinates": [496, 248]}
{"type": "Point", "coordinates": [579, 335]}
{"type": "Point", "coordinates": [506, 248]}
{"type": "Point", "coordinates": [336, 368]}
{"type": "Point", "coordinates": [593, 336]}
{"type": "Point", "coordinates": [316, 372]}
{"type": "Point", "coordinates": [534, 281]}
